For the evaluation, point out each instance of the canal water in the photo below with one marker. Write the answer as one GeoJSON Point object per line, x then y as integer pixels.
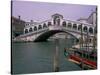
{"type": "Point", "coordinates": [38, 57]}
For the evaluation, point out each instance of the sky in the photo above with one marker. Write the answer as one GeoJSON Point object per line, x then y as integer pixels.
{"type": "Point", "coordinates": [41, 11]}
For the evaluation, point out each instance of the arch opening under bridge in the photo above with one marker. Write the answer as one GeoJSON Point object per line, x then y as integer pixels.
{"type": "Point", "coordinates": [44, 36]}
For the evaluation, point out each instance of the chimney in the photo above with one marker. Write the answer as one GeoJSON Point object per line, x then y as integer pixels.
{"type": "Point", "coordinates": [19, 17]}
{"type": "Point", "coordinates": [31, 21]}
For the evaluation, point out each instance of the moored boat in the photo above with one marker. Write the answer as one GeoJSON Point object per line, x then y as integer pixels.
{"type": "Point", "coordinates": [83, 55]}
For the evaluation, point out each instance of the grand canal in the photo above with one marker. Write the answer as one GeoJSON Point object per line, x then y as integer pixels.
{"type": "Point", "coordinates": [38, 57]}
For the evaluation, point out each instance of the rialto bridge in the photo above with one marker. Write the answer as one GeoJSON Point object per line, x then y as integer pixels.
{"type": "Point", "coordinates": [42, 31]}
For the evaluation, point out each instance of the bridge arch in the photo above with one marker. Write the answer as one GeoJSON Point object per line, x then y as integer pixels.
{"type": "Point", "coordinates": [64, 23]}
{"type": "Point", "coordinates": [44, 25]}
{"type": "Point", "coordinates": [35, 28]}
{"type": "Point", "coordinates": [44, 36]}
{"type": "Point", "coordinates": [26, 30]}
{"type": "Point", "coordinates": [30, 29]}
{"type": "Point", "coordinates": [69, 25]}
{"type": "Point", "coordinates": [91, 30]}
{"type": "Point", "coordinates": [79, 27]}
{"type": "Point", "coordinates": [75, 26]}
{"type": "Point", "coordinates": [39, 27]}
{"type": "Point", "coordinates": [85, 28]}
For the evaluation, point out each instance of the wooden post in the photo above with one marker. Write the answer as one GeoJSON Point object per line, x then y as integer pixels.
{"type": "Point", "coordinates": [87, 44]}
{"type": "Point", "coordinates": [81, 46]}
{"type": "Point", "coordinates": [56, 57]}
{"type": "Point", "coordinates": [95, 36]}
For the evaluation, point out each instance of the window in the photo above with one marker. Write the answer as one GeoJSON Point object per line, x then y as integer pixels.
{"type": "Point", "coordinates": [44, 25]}
{"type": "Point", "coordinates": [30, 30]}
{"type": "Point", "coordinates": [74, 26]}
{"type": "Point", "coordinates": [54, 20]}
{"type": "Point", "coordinates": [91, 30]}
{"type": "Point", "coordinates": [35, 28]}
{"type": "Point", "coordinates": [69, 25]}
{"type": "Point", "coordinates": [49, 24]}
{"type": "Point", "coordinates": [26, 30]}
{"type": "Point", "coordinates": [64, 24]}
{"type": "Point", "coordinates": [85, 29]}
{"type": "Point", "coordinates": [58, 21]}
{"type": "Point", "coordinates": [79, 27]}
{"type": "Point", "coordinates": [90, 40]}
{"type": "Point", "coordinates": [40, 27]}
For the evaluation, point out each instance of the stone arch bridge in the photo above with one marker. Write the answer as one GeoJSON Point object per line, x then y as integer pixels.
{"type": "Point", "coordinates": [42, 31]}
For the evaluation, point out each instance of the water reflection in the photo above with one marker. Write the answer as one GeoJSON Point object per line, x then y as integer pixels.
{"type": "Point", "coordinates": [39, 57]}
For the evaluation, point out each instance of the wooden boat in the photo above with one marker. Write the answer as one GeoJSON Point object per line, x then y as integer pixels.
{"type": "Point", "coordinates": [79, 56]}
{"type": "Point", "coordinates": [79, 60]}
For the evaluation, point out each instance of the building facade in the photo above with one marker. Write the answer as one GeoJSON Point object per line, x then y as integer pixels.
{"type": "Point", "coordinates": [92, 19]}
{"type": "Point", "coordinates": [17, 26]}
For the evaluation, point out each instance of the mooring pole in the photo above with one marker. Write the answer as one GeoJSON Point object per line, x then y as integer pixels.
{"type": "Point", "coordinates": [56, 56]}
{"type": "Point", "coordinates": [81, 46]}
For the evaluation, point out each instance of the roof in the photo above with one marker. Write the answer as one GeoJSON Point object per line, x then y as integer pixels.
{"type": "Point", "coordinates": [56, 14]}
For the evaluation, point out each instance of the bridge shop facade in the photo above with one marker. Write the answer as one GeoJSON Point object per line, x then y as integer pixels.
{"type": "Point", "coordinates": [34, 31]}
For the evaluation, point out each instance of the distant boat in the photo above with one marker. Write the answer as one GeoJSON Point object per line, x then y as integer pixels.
{"type": "Point", "coordinates": [90, 46]}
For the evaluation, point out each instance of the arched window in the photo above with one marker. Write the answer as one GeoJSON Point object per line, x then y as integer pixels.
{"type": "Point", "coordinates": [30, 30]}
{"type": "Point", "coordinates": [69, 25]}
{"type": "Point", "coordinates": [85, 29]}
{"type": "Point", "coordinates": [74, 26]}
{"type": "Point", "coordinates": [58, 21]}
{"type": "Point", "coordinates": [49, 24]}
{"type": "Point", "coordinates": [91, 30]}
{"type": "Point", "coordinates": [95, 30]}
{"type": "Point", "coordinates": [55, 19]}
{"type": "Point", "coordinates": [35, 28]}
{"type": "Point", "coordinates": [40, 27]}
{"type": "Point", "coordinates": [26, 30]}
{"type": "Point", "coordinates": [79, 27]}
{"type": "Point", "coordinates": [64, 24]}
{"type": "Point", "coordinates": [90, 40]}
{"type": "Point", "coordinates": [44, 25]}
